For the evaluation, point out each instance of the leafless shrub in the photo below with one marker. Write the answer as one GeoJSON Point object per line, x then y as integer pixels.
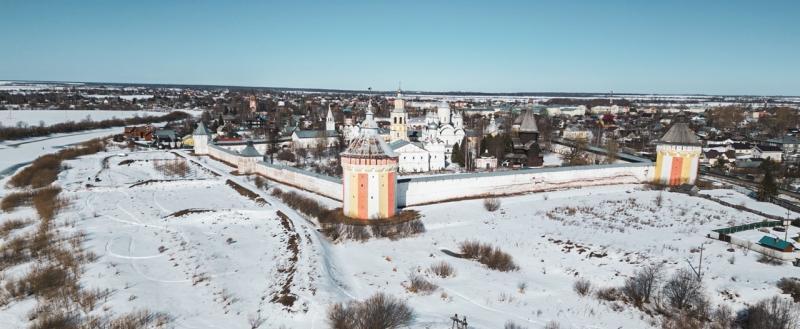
{"type": "Point", "coordinates": [302, 204]}
{"type": "Point", "coordinates": [790, 286]}
{"type": "Point", "coordinates": [15, 251]}
{"type": "Point", "coordinates": [260, 182]}
{"type": "Point", "coordinates": [511, 325]}
{"type": "Point", "coordinates": [44, 169]}
{"type": "Point", "coordinates": [47, 203]}
{"type": "Point", "coordinates": [552, 325]}
{"type": "Point", "coordinates": [684, 291]}
{"type": "Point", "coordinates": [682, 320]}
{"type": "Point", "coordinates": [172, 168]}
{"type": "Point", "coordinates": [608, 294]}
{"type": "Point", "coordinates": [442, 269]}
{"type": "Point", "coordinates": [255, 321]}
{"type": "Point", "coordinates": [14, 200]}
{"type": "Point", "coordinates": [722, 318]}
{"type": "Point", "coordinates": [772, 313]}
{"type": "Point", "coordinates": [640, 287]}
{"type": "Point", "coordinates": [11, 225]}
{"type": "Point", "coordinates": [491, 204]}
{"type": "Point", "coordinates": [582, 286]}
{"type": "Point", "coordinates": [88, 299]}
{"type": "Point", "coordinates": [395, 231]}
{"type": "Point", "coordinates": [378, 311]}
{"type": "Point", "coordinates": [418, 284]}
{"type": "Point", "coordinates": [139, 320]}
{"type": "Point", "coordinates": [659, 199]}
{"type": "Point", "coordinates": [492, 257]}
{"type": "Point", "coordinates": [54, 317]}
{"type": "Point", "coordinates": [47, 281]}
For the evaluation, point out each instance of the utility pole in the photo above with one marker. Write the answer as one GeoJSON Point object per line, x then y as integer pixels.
{"type": "Point", "coordinates": [699, 270]}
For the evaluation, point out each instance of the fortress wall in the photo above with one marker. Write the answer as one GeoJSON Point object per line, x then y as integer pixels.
{"type": "Point", "coordinates": [223, 154]}
{"type": "Point", "coordinates": [324, 185]}
{"type": "Point", "coordinates": [430, 189]}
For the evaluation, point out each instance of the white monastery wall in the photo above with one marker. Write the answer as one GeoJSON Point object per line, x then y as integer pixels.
{"type": "Point", "coordinates": [324, 185]}
{"type": "Point", "coordinates": [422, 190]}
{"type": "Point", "coordinates": [430, 189]}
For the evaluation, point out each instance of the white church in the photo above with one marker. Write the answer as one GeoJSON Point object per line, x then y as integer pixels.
{"type": "Point", "coordinates": [433, 150]}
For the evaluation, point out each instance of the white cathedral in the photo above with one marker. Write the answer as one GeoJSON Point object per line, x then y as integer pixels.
{"type": "Point", "coordinates": [432, 151]}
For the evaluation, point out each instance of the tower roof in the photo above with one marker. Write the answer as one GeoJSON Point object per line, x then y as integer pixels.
{"type": "Point", "coordinates": [680, 134]}
{"type": "Point", "coordinates": [250, 150]}
{"type": "Point", "coordinates": [528, 122]}
{"type": "Point", "coordinates": [369, 144]}
{"type": "Point", "coordinates": [201, 129]}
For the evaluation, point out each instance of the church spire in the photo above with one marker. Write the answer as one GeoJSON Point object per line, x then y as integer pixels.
{"type": "Point", "coordinates": [330, 124]}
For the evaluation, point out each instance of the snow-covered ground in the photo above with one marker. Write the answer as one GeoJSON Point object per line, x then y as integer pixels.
{"type": "Point", "coordinates": [737, 198]}
{"type": "Point", "coordinates": [552, 159]}
{"type": "Point", "coordinates": [216, 267]}
{"type": "Point", "coordinates": [49, 117]}
{"type": "Point", "coordinates": [14, 154]}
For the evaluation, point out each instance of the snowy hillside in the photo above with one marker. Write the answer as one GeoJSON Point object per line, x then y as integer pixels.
{"type": "Point", "coordinates": [186, 243]}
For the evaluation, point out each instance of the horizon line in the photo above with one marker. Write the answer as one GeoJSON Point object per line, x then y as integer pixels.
{"type": "Point", "coordinates": [366, 91]}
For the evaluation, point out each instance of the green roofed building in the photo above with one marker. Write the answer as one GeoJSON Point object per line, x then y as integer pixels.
{"type": "Point", "coordinates": [776, 243]}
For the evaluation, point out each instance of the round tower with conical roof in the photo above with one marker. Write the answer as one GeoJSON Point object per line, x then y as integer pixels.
{"type": "Point", "coordinates": [678, 156]}
{"type": "Point", "coordinates": [369, 174]}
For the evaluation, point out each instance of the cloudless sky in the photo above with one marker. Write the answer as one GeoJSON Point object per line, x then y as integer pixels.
{"type": "Point", "coordinates": [709, 46]}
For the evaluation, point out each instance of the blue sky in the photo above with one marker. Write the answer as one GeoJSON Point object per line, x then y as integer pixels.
{"type": "Point", "coordinates": [714, 47]}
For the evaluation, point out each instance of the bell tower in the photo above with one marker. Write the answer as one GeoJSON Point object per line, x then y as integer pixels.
{"type": "Point", "coordinates": [399, 119]}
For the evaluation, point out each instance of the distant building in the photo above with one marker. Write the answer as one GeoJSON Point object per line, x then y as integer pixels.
{"type": "Point", "coordinates": [486, 162]}
{"type": "Point", "coordinates": [137, 133]}
{"type": "Point", "coordinates": [314, 138]}
{"type": "Point", "coordinates": [770, 152]}
{"type": "Point", "coordinates": [253, 103]}
{"type": "Point", "coordinates": [525, 138]}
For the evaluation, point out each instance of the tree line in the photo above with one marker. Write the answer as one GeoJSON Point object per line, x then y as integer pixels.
{"type": "Point", "coordinates": [12, 133]}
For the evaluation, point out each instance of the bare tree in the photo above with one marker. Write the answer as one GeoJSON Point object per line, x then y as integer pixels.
{"type": "Point", "coordinates": [684, 291]}
{"type": "Point", "coordinates": [773, 313]}
{"type": "Point", "coordinates": [640, 287]}
{"type": "Point", "coordinates": [612, 148]}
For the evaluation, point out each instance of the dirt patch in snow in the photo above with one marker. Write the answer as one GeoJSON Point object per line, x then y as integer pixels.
{"type": "Point", "coordinates": [285, 295]}
{"type": "Point", "coordinates": [185, 212]}
{"type": "Point", "coordinates": [245, 192]}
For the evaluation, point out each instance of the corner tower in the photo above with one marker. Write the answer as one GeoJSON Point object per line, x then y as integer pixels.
{"type": "Point", "coordinates": [369, 174]}
{"type": "Point", "coordinates": [678, 156]}
{"type": "Point", "coordinates": [399, 119]}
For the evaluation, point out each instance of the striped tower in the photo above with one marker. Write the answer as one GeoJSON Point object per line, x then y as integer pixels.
{"type": "Point", "coordinates": [678, 156]}
{"type": "Point", "coordinates": [369, 171]}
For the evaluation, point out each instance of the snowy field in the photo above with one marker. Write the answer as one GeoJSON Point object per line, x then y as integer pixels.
{"type": "Point", "coordinates": [228, 257]}
{"type": "Point", "coordinates": [50, 117]}
{"type": "Point", "coordinates": [16, 153]}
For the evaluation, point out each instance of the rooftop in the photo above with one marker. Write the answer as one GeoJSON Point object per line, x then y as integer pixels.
{"type": "Point", "coordinates": [680, 134]}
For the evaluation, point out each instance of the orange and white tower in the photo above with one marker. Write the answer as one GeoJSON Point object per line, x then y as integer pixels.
{"type": "Point", "coordinates": [369, 171]}
{"type": "Point", "coordinates": [678, 156]}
